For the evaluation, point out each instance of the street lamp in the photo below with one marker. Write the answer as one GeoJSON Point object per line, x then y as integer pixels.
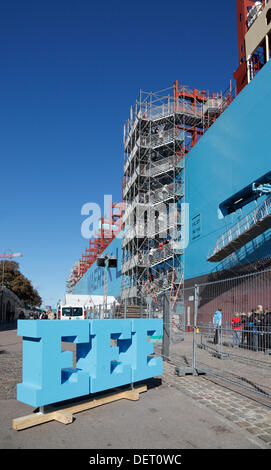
{"type": "Point", "coordinates": [106, 262]}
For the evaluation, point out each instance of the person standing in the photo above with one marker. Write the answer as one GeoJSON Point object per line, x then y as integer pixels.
{"type": "Point", "coordinates": [260, 325]}
{"type": "Point", "coordinates": [254, 324]}
{"type": "Point", "coordinates": [51, 315]}
{"type": "Point", "coordinates": [251, 317]}
{"type": "Point", "coordinates": [151, 254]}
{"type": "Point", "coordinates": [267, 331]}
{"type": "Point", "coordinates": [217, 322]}
{"type": "Point", "coordinates": [244, 334]}
{"type": "Point", "coordinates": [260, 311]}
{"type": "Point", "coordinates": [237, 327]}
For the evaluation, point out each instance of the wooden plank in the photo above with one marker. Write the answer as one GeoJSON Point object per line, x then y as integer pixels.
{"type": "Point", "coordinates": [33, 419]}
{"type": "Point", "coordinates": [64, 414]}
{"type": "Point", "coordinates": [132, 394]}
{"type": "Point", "coordinates": [63, 417]}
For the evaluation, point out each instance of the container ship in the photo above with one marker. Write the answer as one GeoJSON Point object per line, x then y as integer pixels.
{"type": "Point", "coordinates": [196, 183]}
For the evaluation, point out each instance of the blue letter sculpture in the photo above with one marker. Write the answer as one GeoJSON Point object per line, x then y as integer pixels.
{"type": "Point", "coordinates": [48, 373]}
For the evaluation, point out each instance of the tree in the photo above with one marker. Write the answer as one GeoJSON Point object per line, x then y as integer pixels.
{"type": "Point", "coordinates": [19, 284]}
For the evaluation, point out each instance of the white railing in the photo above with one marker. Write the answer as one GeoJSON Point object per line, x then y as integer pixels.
{"type": "Point", "coordinates": [162, 166]}
{"type": "Point", "coordinates": [165, 193]}
{"type": "Point", "coordinates": [163, 282]}
{"type": "Point", "coordinates": [212, 105]}
{"type": "Point", "coordinates": [152, 113]}
{"type": "Point", "coordinates": [159, 255]}
{"type": "Point", "coordinates": [161, 138]}
{"type": "Point", "coordinates": [129, 183]}
{"type": "Point", "coordinates": [253, 13]}
{"type": "Point", "coordinates": [162, 194]}
{"type": "Point", "coordinates": [128, 292]}
{"type": "Point", "coordinates": [140, 259]}
{"type": "Point", "coordinates": [131, 155]}
{"type": "Point", "coordinates": [243, 226]}
{"type": "Point", "coordinates": [144, 230]}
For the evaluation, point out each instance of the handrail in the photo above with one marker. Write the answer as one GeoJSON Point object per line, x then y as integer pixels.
{"type": "Point", "coordinates": [246, 223]}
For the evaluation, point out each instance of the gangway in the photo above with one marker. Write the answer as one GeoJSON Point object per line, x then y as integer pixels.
{"type": "Point", "coordinates": [250, 227]}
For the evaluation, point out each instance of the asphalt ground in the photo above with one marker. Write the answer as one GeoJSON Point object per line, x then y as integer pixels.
{"type": "Point", "coordinates": [175, 413]}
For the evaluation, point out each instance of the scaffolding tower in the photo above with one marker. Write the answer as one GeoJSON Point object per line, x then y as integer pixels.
{"type": "Point", "coordinates": [161, 130]}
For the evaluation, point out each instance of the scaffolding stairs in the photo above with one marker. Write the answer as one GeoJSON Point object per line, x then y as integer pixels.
{"type": "Point", "coordinates": [250, 227]}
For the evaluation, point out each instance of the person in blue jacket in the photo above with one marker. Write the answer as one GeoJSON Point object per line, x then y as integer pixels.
{"type": "Point", "coordinates": [217, 322]}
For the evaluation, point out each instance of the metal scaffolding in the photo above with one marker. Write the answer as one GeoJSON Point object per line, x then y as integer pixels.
{"type": "Point", "coordinates": [161, 130]}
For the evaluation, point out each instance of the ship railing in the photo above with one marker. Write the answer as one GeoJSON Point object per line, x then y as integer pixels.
{"type": "Point", "coordinates": [243, 225]}
{"type": "Point", "coordinates": [253, 13]}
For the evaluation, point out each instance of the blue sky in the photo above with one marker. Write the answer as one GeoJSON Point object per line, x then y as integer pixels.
{"type": "Point", "coordinates": [70, 70]}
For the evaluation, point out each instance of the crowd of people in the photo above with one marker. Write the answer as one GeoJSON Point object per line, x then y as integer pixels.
{"type": "Point", "coordinates": [47, 315]}
{"type": "Point", "coordinates": [250, 330]}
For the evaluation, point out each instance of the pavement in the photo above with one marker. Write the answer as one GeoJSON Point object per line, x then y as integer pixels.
{"type": "Point", "coordinates": [175, 413]}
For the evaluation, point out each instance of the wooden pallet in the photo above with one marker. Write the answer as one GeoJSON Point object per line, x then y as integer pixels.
{"type": "Point", "coordinates": [64, 414]}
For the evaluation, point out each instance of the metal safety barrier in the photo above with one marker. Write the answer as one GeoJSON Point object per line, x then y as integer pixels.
{"type": "Point", "coordinates": [226, 332]}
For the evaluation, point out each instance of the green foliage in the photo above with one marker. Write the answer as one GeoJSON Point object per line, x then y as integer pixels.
{"type": "Point", "coordinates": [19, 284]}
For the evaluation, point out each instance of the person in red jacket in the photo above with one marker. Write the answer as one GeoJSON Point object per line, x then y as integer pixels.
{"type": "Point", "coordinates": [236, 324]}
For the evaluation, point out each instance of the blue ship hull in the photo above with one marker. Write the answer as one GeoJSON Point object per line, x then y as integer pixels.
{"type": "Point", "coordinates": [227, 160]}
{"type": "Point", "coordinates": [93, 280]}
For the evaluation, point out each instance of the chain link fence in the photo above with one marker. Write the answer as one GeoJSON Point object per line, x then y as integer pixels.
{"type": "Point", "coordinates": [227, 331]}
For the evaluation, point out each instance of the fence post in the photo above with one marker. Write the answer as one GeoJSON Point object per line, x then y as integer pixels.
{"type": "Point", "coordinates": [166, 328]}
{"type": "Point", "coordinates": [196, 302]}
